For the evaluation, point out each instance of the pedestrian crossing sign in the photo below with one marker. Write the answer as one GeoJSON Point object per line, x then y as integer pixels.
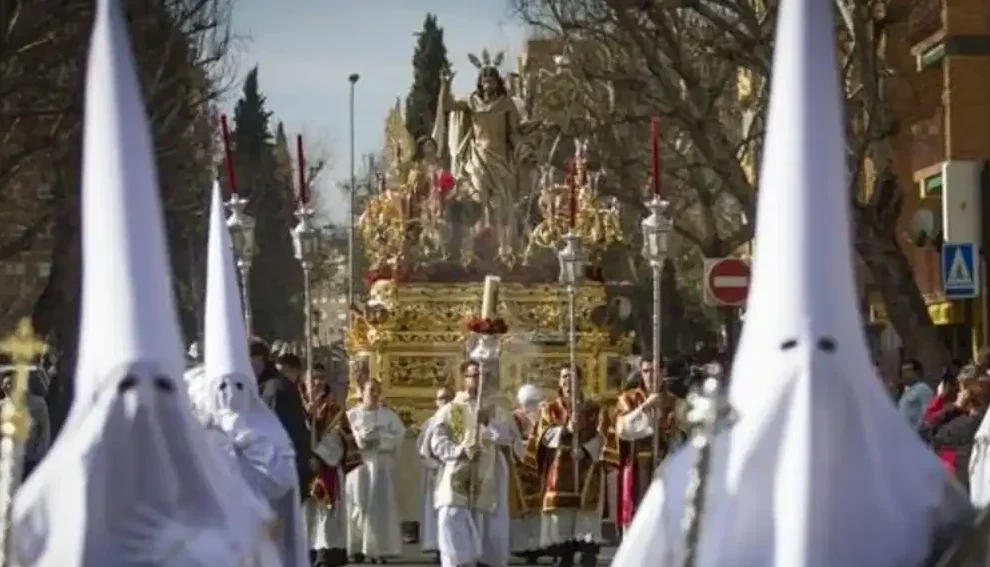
{"type": "Point", "coordinates": [960, 271]}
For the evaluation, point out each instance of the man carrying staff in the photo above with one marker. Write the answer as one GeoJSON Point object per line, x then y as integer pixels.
{"type": "Point", "coordinates": [472, 518]}
{"type": "Point", "coordinates": [334, 455]}
{"type": "Point", "coordinates": [641, 408]}
{"type": "Point", "coordinates": [571, 515]}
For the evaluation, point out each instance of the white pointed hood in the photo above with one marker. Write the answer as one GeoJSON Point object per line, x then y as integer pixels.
{"type": "Point", "coordinates": [225, 340]}
{"type": "Point", "coordinates": [820, 469]}
{"type": "Point", "coordinates": [227, 390]}
{"type": "Point", "coordinates": [90, 502]}
{"type": "Point", "coordinates": [128, 311]}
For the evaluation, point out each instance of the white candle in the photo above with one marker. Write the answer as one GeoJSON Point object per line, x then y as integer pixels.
{"type": "Point", "coordinates": [489, 297]}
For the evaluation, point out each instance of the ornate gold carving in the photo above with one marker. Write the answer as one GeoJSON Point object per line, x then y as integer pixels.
{"type": "Point", "coordinates": [597, 220]}
{"type": "Point", "coordinates": [419, 341]}
{"type": "Point", "coordinates": [420, 371]}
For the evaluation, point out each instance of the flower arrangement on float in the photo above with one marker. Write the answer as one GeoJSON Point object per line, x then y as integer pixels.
{"type": "Point", "coordinates": [488, 323]}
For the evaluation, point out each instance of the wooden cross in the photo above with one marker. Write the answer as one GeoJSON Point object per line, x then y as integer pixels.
{"type": "Point", "coordinates": [23, 347]}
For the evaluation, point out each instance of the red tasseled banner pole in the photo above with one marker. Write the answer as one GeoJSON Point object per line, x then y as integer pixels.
{"type": "Point", "coordinates": [655, 154]}
{"type": "Point", "coordinates": [228, 156]}
{"type": "Point", "coordinates": [572, 197]}
{"type": "Point", "coordinates": [303, 190]}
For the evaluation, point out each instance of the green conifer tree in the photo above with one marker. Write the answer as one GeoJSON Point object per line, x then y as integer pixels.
{"type": "Point", "coordinates": [429, 61]}
{"type": "Point", "coordinates": [276, 277]}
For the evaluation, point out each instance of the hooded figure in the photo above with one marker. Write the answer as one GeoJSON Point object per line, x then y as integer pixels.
{"type": "Point", "coordinates": [819, 470]}
{"type": "Point", "coordinates": [254, 435]}
{"type": "Point", "coordinates": [130, 481]}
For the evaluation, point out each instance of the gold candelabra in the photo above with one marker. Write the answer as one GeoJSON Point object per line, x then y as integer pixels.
{"type": "Point", "coordinates": [23, 348]}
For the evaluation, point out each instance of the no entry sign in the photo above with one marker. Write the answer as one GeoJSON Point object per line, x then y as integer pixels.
{"type": "Point", "coordinates": [726, 281]}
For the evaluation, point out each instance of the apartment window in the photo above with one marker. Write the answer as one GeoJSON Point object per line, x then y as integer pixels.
{"type": "Point", "coordinates": [45, 192]}
{"type": "Point", "coordinates": [44, 269]}
{"type": "Point", "coordinates": [931, 186]}
{"type": "Point", "coordinates": [932, 56]}
{"type": "Point", "coordinates": [14, 269]}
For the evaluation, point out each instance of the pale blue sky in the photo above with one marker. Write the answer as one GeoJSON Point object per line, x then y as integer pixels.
{"type": "Point", "coordinates": [307, 48]}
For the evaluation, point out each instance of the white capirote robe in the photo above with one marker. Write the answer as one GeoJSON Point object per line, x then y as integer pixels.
{"type": "Point", "coordinates": [471, 530]}
{"type": "Point", "coordinates": [428, 484]}
{"type": "Point", "coordinates": [566, 525]}
{"type": "Point", "coordinates": [327, 523]}
{"type": "Point", "coordinates": [373, 522]}
{"type": "Point", "coordinates": [524, 530]}
{"type": "Point", "coordinates": [267, 462]}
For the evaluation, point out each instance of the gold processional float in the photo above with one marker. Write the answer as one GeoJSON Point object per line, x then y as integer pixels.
{"type": "Point", "coordinates": [427, 271]}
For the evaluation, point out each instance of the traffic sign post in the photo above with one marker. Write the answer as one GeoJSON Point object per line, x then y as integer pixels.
{"type": "Point", "coordinates": [960, 271]}
{"type": "Point", "coordinates": [726, 281]}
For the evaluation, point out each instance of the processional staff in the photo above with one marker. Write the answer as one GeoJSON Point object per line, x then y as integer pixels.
{"type": "Point", "coordinates": [486, 354]}
{"type": "Point", "coordinates": [23, 347]}
{"type": "Point", "coordinates": [709, 413]}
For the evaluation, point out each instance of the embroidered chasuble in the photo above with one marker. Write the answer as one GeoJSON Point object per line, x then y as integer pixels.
{"type": "Point", "coordinates": [555, 466]}
{"type": "Point", "coordinates": [525, 483]}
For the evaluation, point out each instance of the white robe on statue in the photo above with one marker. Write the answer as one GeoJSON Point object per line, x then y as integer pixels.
{"type": "Point", "coordinates": [471, 529]}
{"type": "Point", "coordinates": [373, 523]}
{"type": "Point", "coordinates": [328, 523]}
{"type": "Point", "coordinates": [428, 484]}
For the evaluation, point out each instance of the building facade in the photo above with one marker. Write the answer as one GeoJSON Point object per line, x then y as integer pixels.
{"type": "Point", "coordinates": [941, 52]}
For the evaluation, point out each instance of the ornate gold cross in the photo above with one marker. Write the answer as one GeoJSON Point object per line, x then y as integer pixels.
{"type": "Point", "coordinates": [23, 347]}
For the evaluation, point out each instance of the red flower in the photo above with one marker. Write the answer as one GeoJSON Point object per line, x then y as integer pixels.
{"type": "Point", "coordinates": [496, 326]}
{"type": "Point", "coordinates": [445, 181]}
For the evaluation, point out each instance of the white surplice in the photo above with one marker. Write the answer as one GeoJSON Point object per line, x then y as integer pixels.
{"type": "Point", "coordinates": [130, 481]}
{"type": "Point", "coordinates": [428, 484]}
{"type": "Point", "coordinates": [373, 523]}
{"type": "Point", "coordinates": [820, 470]}
{"type": "Point", "coordinates": [471, 528]}
{"type": "Point", "coordinates": [327, 524]}
{"type": "Point", "coordinates": [569, 525]}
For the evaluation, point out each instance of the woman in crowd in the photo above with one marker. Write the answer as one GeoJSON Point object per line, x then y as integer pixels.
{"type": "Point", "coordinates": [947, 390]}
{"type": "Point", "coordinates": [952, 431]}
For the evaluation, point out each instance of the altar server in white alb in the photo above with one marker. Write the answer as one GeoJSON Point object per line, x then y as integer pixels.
{"type": "Point", "coordinates": [472, 489]}
{"type": "Point", "coordinates": [130, 481]}
{"type": "Point", "coordinates": [819, 470]}
{"type": "Point", "coordinates": [257, 440]}
{"type": "Point", "coordinates": [373, 529]}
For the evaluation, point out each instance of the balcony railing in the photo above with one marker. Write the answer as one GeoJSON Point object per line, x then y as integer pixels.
{"type": "Point", "coordinates": [924, 19]}
{"type": "Point", "coordinates": [928, 144]}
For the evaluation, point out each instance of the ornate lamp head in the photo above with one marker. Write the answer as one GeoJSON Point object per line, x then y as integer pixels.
{"type": "Point", "coordinates": [656, 231]}
{"type": "Point", "coordinates": [306, 237]}
{"type": "Point", "coordinates": [571, 260]}
{"type": "Point", "coordinates": [241, 227]}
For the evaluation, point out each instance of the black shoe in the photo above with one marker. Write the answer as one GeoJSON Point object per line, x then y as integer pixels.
{"type": "Point", "coordinates": [589, 554]}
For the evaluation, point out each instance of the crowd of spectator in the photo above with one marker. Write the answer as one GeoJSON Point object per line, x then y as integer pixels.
{"type": "Point", "coordinates": [947, 417]}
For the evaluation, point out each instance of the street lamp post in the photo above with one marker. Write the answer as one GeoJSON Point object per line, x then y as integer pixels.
{"type": "Point", "coordinates": [657, 227]}
{"type": "Point", "coordinates": [241, 227]}
{"type": "Point", "coordinates": [352, 190]}
{"type": "Point", "coordinates": [571, 272]}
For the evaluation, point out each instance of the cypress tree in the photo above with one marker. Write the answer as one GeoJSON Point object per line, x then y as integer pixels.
{"type": "Point", "coordinates": [276, 277]}
{"type": "Point", "coordinates": [429, 61]}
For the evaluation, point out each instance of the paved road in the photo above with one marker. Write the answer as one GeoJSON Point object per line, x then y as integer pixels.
{"type": "Point", "coordinates": [413, 558]}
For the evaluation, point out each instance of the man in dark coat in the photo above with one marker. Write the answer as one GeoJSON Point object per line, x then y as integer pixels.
{"type": "Point", "coordinates": [261, 362]}
{"type": "Point", "coordinates": [281, 393]}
